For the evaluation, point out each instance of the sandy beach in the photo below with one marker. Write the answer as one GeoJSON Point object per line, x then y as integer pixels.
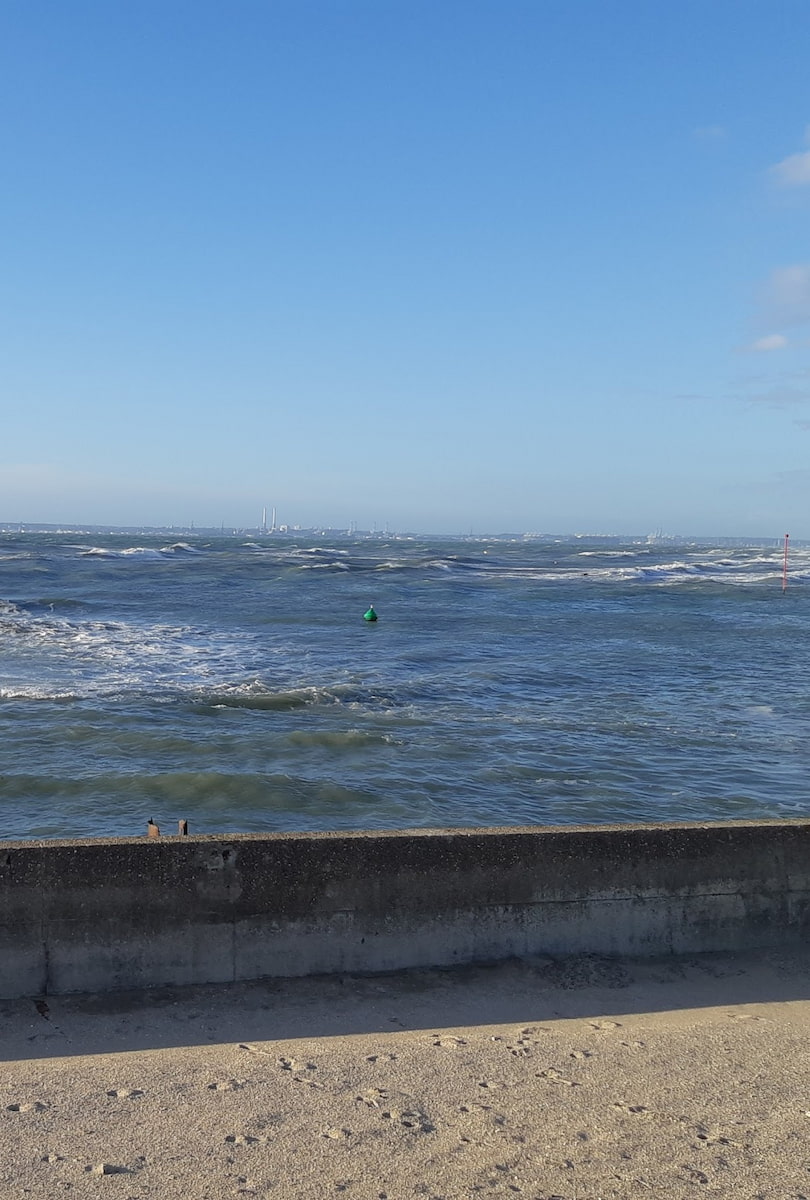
{"type": "Point", "coordinates": [574, 1078]}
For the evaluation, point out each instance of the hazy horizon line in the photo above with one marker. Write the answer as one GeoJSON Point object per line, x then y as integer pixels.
{"type": "Point", "coordinates": [285, 530]}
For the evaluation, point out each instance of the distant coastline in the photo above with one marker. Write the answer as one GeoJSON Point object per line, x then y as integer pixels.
{"type": "Point", "coordinates": [301, 531]}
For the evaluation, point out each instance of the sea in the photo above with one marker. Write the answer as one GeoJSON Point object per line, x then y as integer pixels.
{"type": "Point", "coordinates": [232, 682]}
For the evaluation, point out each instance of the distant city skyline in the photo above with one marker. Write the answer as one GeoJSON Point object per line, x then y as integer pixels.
{"type": "Point", "coordinates": [434, 267]}
{"type": "Point", "coordinates": [341, 531]}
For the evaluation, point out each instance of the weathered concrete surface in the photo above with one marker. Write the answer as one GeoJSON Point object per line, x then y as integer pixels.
{"type": "Point", "coordinates": [102, 914]}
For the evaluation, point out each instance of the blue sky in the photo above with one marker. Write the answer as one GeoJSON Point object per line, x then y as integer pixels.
{"type": "Point", "coordinates": [443, 266]}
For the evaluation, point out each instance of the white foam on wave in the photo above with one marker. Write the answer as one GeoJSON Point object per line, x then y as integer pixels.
{"type": "Point", "coordinates": [180, 548]}
{"type": "Point", "coordinates": [678, 567]}
{"type": "Point", "coordinates": [436, 564]}
{"type": "Point", "coordinates": [129, 552]}
{"type": "Point", "coordinates": [57, 658]}
{"type": "Point", "coordinates": [664, 575]}
{"type": "Point", "coordinates": [36, 693]}
{"type": "Point", "coordinates": [142, 552]}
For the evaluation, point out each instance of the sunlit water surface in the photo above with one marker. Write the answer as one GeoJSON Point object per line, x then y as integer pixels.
{"type": "Point", "coordinates": [233, 682]}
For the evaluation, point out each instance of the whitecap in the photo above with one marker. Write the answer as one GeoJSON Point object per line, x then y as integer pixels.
{"type": "Point", "coordinates": [36, 693]}
{"type": "Point", "coordinates": [180, 548]}
{"type": "Point", "coordinates": [129, 552]}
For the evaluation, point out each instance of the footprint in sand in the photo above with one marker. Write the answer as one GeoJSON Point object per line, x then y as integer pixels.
{"type": "Point", "coordinates": [292, 1064]}
{"type": "Point", "coordinates": [227, 1085]}
{"type": "Point", "coordinates": [554, 1076]}
{"type": "Point", "coordinates": [638, 1110]}
{"type": "Point", "coordinates": [519, 1046]}
{"type": "Point", "coordinates": [246, 1139]}
{"type": "Point", "coordinates": [300, 1071]}
{"type": "Point", "coordinates": [412, 1119]}
{"type": "Point", "coordinates": [34, 1106]}
{"type": "Point", "coordinates": [605, 1024]}
{"type": "Point", "coordinates": [336, 1134]}
{"type": "Point", "coordinates": [519, 1049]}
{"type": "Point", "coordinates": [125, 1093]}
{"type": "Point", "coordinates": [256, 1050]}
{"type": "Point", "coordinates": [372, 1097]}
{"type": "Point", "coordinates": [712, 1137]}
{"type": "Point", "coordinates": [376, 1058]}
{"type": "Point", "coordinates": [582, 1054]}
{"type": "Point", "coordinates": [449, 1043]}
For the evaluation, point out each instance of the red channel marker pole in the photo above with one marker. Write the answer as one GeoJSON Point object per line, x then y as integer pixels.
{"type": "Point", "coordinates": [784, 565]}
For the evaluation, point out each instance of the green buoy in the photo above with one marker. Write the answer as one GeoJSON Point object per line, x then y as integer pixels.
{"type": "Point", "coordinates": [370, 615]}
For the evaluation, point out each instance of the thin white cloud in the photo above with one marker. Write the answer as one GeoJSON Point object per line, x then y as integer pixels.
{"type": "Point", "coordinates": [709, 133]}
{"type": "Point", "coordinates": [773, 341]}
{"type": "Point", "coordinates": [780, 396]}
{"type": "Point", "coordinates": [786, 296]}
{"type": "Point", "coordinates": [793, 171]}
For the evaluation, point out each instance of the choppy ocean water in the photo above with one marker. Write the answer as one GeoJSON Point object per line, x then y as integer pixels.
{"type": "Point", "coordinates": [233, 682]}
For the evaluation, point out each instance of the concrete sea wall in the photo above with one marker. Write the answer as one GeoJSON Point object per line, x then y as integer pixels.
{"type": "Point", "coordinates": [103, 914]}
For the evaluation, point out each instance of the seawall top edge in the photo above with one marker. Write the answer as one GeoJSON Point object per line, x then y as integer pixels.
{"type": "Point", "coordinates": [493, 831]}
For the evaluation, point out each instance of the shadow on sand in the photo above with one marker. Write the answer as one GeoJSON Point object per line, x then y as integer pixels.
{"type": "Point", "coordinates": [515, 991]}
